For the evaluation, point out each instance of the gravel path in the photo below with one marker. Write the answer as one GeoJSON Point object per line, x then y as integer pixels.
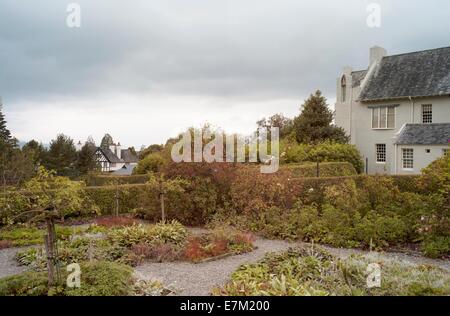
{"type": "Point", "coordinates": [9, 266]}
{"type": "Point", "coordinates": [198, 279]}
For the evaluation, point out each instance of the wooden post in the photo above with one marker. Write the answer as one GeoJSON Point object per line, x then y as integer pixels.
{"type": "Point", "coordinates": [367, 165]}
{"type": "Point", "coordinates": [117, 199]}
{"type": "Point", "coordinates": [161, 197]}
{"type": "Point", "coordinates": [318, 171]}
{"type": "Point", "coordinates": [50, 239]}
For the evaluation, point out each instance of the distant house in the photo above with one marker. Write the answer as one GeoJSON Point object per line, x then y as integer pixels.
{"type": "Point", "coordinates": [397, 111]}
{"type": "Point", "coordinates": [116, 160]}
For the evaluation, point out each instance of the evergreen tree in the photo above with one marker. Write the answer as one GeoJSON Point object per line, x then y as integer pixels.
{"type": "Point", "coordinates": [15, 166]}
{"type": "Point", "coordinates": [62, 156]}
{"type": "Point", "coordinates": [107, 141]}
{"type": "Point", "coordinates": [314, 124]}
{"type": "Point", "coordinates": [35, 151]}
{"type": "Point", "coordinates": [86, 160]}
{"type": "Point", "coordinates": [5, 134]}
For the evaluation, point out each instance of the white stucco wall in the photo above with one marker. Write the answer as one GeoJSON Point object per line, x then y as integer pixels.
{"type": "Point", "coordinates": [356, 118]}
{"type": "Point", "coordinates": [421, 157]}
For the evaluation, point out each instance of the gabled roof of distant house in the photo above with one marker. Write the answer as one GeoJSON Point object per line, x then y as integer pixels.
{"type": "Point", "coordinates": [126, 154]}
{"type": "Point", "coordinates": [424, 134]}
{"type": "Point", "coordinates": [109, 155]}
{"type": "Point", "coordinates": [419, 74]}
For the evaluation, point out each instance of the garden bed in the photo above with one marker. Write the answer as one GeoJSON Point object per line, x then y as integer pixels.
{"type": "Point", "coordinates": [313, 271]}
{"type": "Point", "coordinates": [137, 243]}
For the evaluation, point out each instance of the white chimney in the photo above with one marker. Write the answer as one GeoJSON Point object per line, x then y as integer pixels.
{"type": "Point", "coordinates": [78, 146]}
{"type": "Point", "coordinates": [112, 147]}
{"type": "Point", "coordinates": [347, 70]}
{"type": "Point", "coordinates": [376, 54]}
{"type": "Point", "coordinates": [119, 151]}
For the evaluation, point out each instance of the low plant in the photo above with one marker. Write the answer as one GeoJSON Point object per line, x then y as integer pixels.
{"type": "Point", "coordinates": [98, 278]}
{"type": "Point", "coordinates": [313, 271]}
{"type": "Point", "coordinates": [5, 244]}
{"type": "Point", "coordinates": [25, 235]}
{"type": "Point", "coordinates": [219, 242]}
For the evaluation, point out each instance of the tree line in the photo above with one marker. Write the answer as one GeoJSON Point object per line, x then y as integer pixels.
{"type": "Point", "coordinates": [18, 165]}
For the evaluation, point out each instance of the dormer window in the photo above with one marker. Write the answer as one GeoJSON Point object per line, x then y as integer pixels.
{"type": "Point", "coordinates": [343, 89]}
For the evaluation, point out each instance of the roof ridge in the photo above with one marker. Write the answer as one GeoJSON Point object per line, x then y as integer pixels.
{"type": "Point", "coordinates": [417, 52]}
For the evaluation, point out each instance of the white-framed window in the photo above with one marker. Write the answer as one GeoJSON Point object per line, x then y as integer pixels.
{"type": "Point", "coordinates": [408, 158]}
{"type": "Point", "coordinates": [383, 117]}
{"type": "Point", "coordinates": [381, 153]}
{"type": "Point", "coordinates": [445, 151]}
{"type": "Point", "coordinates": [427, 113]}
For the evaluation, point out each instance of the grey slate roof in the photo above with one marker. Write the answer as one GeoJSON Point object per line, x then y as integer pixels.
{"type": "Point", "coordinates": [424, 134]}
{"type": "Point", "coordinates": [357, 77]}
{"type": "Point", "coordinates": [110, 155]}
{"type": "Point", "coordinates": [126, 170]}
{"type": "Point", "coordinates": [420, 74]}
{"type": "Point", "coordinates": [128, 156]}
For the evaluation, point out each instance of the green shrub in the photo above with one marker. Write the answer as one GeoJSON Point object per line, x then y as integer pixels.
{"type": "Point", "coordinates": [436, 246]}
{"type": "Point", "coordinates": [381, 230]}
{"type": "Point", "coordinates": [28, 284]}
{"type": "Point", "coordinates": [172, 232]}
{"type": "Point", "coordinates": [104, 279]}
{"type": "Point", "coordinates": [31, 235]}
{"type": "Point", "coordinates": [151, 163]}
{"type": "Point", "coordinates": [101, 180]}
{"type": "Point", "coordinates": [326, 169]}
{"type": "Point", "coordinates": [324, 152]}
{"type": "Point", "coordinates": [97, 279]}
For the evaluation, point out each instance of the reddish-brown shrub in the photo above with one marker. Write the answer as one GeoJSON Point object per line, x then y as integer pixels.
{"type": "Point", "coordinates": [113, 221]}
{"type": "Point", "coordinates": [218, 247]}
{"type": "Point", "coordinates": [244, 238]}
{"type": "Point", "coordinates": [5, 244]}
{"type": "Point", "coordinates": [193, 250]}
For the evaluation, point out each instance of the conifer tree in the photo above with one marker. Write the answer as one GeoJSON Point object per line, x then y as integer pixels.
{"type": "Point", "coordinates": [315, 122]}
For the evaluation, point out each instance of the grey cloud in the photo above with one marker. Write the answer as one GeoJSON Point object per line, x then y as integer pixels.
{"type": "Point", "coordinates": [235, 49]}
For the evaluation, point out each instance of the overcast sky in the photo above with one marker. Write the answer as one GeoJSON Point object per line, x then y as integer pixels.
{"type": "Point", "coordinates": [144, 70]}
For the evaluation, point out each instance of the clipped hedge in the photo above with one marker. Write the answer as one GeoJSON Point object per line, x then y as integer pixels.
{"type": "Point", "coordinates": [99, 180]}
{"type": "Point", "coordinates": [326, 169]}
{"type": "Point", "coordinates": [190, 207]}
{"type": "Point", "coordinates": [324, 152]}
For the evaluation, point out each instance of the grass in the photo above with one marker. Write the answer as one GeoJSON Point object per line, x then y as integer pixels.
{"type": "Point", "coordinates": [303, 271]}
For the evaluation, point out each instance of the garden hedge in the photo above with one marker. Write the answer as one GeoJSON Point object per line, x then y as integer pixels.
{"type": "Point", "coordinates": [326, 169]}
{"type": "Point", "coordinates": [101, 179]}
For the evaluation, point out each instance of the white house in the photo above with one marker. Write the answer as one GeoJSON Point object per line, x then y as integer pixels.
{"type": "Point", "coordinates": [397, 111]}
{"type": "Point", "coordinates": [116, 160]}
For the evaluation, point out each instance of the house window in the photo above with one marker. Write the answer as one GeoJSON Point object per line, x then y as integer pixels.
{"type": "Point", "coordinates": [445, 151]}
{"type": "Point", "coordinates": [381, 153]}
{"type": "Point", "coordinates": [408, 158]}
{"type": "Point", "coordinates": [427, 113]}
{"type": "Point", "coordinates": [383, 117]}
{"type": "Point", "coordinates": [428, 151]}
{"type": "Point", "coordinates": [343, 89]}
